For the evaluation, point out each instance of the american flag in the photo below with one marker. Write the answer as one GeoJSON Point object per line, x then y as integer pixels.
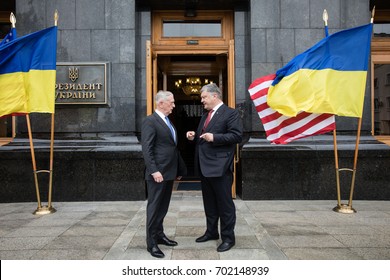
{"type": "Point", "coordinates": [281, 129]}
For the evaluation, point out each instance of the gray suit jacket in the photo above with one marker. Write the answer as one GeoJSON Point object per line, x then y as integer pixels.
{"type": "Point", "coordinates": [160, 150]}
{"type": "Point", "coordinates": [215, 158]}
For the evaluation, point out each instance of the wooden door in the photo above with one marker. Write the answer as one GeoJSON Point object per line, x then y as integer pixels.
{"type": "Point", "coordinates": [211, 45]}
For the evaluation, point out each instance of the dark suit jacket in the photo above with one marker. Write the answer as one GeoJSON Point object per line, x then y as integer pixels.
{"type": "Point", "coordinates": [159, 149]}
{"type": "Point", "coordinates": [215, 158]}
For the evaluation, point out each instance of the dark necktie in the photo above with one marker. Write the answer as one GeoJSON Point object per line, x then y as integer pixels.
{"type": "Point", "coordinates": [171, 128]}
{"type": "Point", "coordinates": [206, 123]}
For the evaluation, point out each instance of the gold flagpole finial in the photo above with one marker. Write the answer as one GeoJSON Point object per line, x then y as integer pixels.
{"type": "Point", "coordinates": [372, 15]}
{"type": "Point", "coordinates": [12, 19]}
{"type": "Point", "coordinates": [56, 17]}
{"type": "Point", "coordinates": [325, 17]}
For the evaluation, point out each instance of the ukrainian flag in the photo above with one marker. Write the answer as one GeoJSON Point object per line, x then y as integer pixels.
{"type": "Point", "coordinates": [330, 77]}
{"type": "Point", "coordinates": [9, 37]}
{"type": "Point", "coordinates": [28, 73]}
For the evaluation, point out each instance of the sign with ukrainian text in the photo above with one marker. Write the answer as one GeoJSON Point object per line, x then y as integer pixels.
{"type": "Point", "coordinates": [82, 83]}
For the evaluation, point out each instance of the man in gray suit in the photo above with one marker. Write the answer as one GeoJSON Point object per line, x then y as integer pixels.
{"type": "Point", "coordinates": [218, 133]}
{"type": "Point", "coordinates": [163, 165]}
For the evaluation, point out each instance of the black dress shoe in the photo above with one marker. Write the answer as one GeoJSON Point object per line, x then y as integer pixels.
{"type": "Point", "coordinates": [225, 246]}
{"type": "Point", "coordinates": [206, 237]}
{"type": "Point", "coordinates": [166, 241]}
{"type": "Point", "coordinates": [156, 252]}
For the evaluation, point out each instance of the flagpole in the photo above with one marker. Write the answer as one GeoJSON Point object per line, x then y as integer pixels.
{"type": "Point", "coordinates": [355, 162]}
{"type": "Point", "coordinates": [336, 161]}
{"type": "Point", "coordinates": [33, 162]}
{"type": "Point", "coordinates": [341, 207]}
{"type": "Point", "coordinates": [12, 19]}
{"type": "Point", "coordinates": [325, 18]}
{"type": "Point", "coordinates": [56, 17]}
{"type": "Point", "coordinates": [347, 208]}
{"type": "Point", "coordinates": [52, 139]}
{"type": "Point", "coordinates": [47, 209]}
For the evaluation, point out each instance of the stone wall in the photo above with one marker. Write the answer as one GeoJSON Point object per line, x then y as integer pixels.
{"type": "Point", "coordinates": [89, 31]}
{"type": "Point", "coordinates": [95, 170]}
{"type": "Point", "coordinates": [305, 169]}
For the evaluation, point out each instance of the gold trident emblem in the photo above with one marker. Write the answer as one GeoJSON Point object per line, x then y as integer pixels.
{"type": "Point", "coordinates": [73, 74]}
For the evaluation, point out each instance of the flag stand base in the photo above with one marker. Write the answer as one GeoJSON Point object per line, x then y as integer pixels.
{"type": "Point", "coordinates": [44, 210]}
{"type": "Point", "coordinates": [344, 208]}
{"type": "Point", "coordinates": [47, 209]}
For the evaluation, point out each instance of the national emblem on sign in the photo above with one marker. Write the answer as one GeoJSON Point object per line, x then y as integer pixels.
{"type": "Point", "coordinates": [73, 74]}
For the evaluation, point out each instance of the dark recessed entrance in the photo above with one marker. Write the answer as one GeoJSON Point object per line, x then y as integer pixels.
{"type": "Point", "coordinates": [184, 75]}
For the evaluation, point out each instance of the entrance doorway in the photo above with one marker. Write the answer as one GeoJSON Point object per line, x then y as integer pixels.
{"type": "Point", "coordinates": [380, 94]}
{"type": "Point", "coordinates": [186, 53]}
{"type": "Point", "coordinates": [184, 75]}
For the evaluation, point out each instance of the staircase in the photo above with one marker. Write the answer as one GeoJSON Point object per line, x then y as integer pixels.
{"type": "Point", "coordinates": [383, 138]}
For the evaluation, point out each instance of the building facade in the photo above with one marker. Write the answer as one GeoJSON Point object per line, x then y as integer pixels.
{"type": "Point", "coordinates": [112, 56]}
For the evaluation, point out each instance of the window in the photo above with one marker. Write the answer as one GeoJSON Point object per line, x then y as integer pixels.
{"type": "Point", "coordinates": [192, 29]}
{"type": "Point", "coordinates": [207, 30]}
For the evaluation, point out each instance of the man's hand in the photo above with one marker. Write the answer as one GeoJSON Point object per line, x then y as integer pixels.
{"type": "Point", "coordinates": [157, 176]}
{"type": "Point", "coordinates": [209, 137]}
{"type": "Point", "coordinates": [190, 135]}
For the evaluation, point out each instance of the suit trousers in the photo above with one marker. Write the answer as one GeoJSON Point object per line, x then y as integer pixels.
{"type": "Point", "coordinates": [218, 205]}
{"type": "Point", "coordinates": [159, 197]}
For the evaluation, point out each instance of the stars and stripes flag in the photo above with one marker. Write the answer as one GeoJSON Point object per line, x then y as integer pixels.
{"type": "Point", "coordinates": [281, 129]}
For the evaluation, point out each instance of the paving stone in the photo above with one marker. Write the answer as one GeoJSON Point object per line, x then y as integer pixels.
{"type": "Point", "coordinates": [189, 231]}
{"type": "Point", "coordinates": [244, 254]}
{"type": "Point", "coordinates": [24, 243]}
{"type": "Point", "coordinates": [70, 254]}
{"type": "Point", "coordinates": [275, 230]}
{"type": "Point", "coordinates": [80, 230]}
{"type": "Point", "coordinates": [369, 241]}
{"type": "Point", "coordinates": [247, 242]}
{"type": "Point", "coordinates": [37, 231]}
{"type": "Point", "coordinates": [142, 254]}
{"type": "Point", "coordinates": [194, 254]}
{"type": "Point", "coordinates": [373, 253]}
{"type": "Point", "coordinates": [321, 254]}
{"type": "Point", "coordinates": [302, 241]}
{"type": "Point", "coordinates": [81, 242]}
{"type": "Point", "coordinates": [350, 229]}
{"type": "Point", "coordinates": [17, 254]}
{"type": "Point", "coordinates": [293, 229]}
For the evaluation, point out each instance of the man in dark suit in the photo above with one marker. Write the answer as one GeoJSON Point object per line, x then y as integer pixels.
{"type": "Point", "coordinates": [163, 165]}
{"type": "Point", "coordinates": [218, 133]}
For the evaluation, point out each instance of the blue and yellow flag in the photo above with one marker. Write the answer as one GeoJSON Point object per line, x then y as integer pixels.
{"type": "Point", "coordinates": [330, 77]}
{"type": "Point", "coordinates": [11, 35]}
{"type": "Point", "coordinates": [28, 73]}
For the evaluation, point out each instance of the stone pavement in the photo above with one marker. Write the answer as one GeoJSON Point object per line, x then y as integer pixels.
{"type": "Point", "coordinates": [265, 230]}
